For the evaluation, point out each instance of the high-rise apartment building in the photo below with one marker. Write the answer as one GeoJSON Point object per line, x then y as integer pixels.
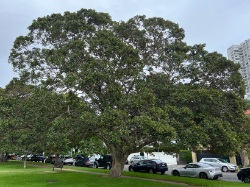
{"type": "Point", "coordinates": [241, 54]}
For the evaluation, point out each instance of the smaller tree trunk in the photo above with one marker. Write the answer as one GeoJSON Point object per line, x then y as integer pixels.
{"type": "Point", "coordinates": [244, 157]}
{"type": "Point", "coordinates": [25, 160]}
{"type": "Point", "coordinates": [3, 157]}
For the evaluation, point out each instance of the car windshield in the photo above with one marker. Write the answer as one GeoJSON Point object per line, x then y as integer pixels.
{"type": "Point", "coordinates": [205, 165]}
{"type": "Point", "coordinates": [223, 161]}
{"type": "Point", "coordinates": [157, 161]}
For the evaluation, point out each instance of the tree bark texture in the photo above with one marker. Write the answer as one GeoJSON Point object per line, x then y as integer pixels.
{"type": "Point", "coordinates": [3, 157]}
{"type": "Point", "coordinates": [118, 162]}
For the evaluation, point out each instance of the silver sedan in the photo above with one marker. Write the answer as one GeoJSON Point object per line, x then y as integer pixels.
{"type": "Point", "coordinates": [199, 170]}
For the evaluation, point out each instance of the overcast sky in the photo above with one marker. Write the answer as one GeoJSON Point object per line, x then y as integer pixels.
{"type": "Point", "coordinates": [217, 23]}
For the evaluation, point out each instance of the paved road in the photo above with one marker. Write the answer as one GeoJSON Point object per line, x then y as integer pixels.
{"type": "Point", "coordinates": [227, 176]}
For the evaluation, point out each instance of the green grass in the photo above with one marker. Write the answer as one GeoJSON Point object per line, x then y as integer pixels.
{"type": "Point", "coordinates": [12, 174]}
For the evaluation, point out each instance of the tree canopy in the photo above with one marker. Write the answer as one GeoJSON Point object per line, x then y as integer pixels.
{"type": "Point", "coordinates": [36, 120]}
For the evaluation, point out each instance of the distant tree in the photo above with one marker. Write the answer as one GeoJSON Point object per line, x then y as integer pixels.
{"type": "Point", "coordinates": [111, 66]}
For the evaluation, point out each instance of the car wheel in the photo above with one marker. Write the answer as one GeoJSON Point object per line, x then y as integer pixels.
{"type": "Point", "coordinates": [215, 178]}
{"type": "Point", "coordinates": [246, 179]}
{"type": "Point", "coordinates": [162, 172]}
{"type": "Point", "coordinates": [151, 171]}
{"type": "Point", "coordinates": [108, 167]}
{"type": "Point", "coordinates": [131, 169]}
{"type": "Point", "coordinates": [203, 175]}
{"type": "Point", "coordinates": [224, 169]}
{"type": "Point", "coordinates": [176, 173]}
{"type": "Point", "coordinates": [95, 165]}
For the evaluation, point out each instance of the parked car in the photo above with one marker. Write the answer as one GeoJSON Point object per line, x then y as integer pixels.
{"type": "Point", "coordinates": [37, 158]}
{"type": "Point", "coordinates": [12, 156]}
{"type": "Point", "coordinates": [83, 161]}
{"type": "Point", "coordinates": [136, 158]}
{"type": "Point", "coordinates": [244, 175]}
{"type": "Point", "coordinates": [200, 170]}
{"type": "Point", "coordinates": [221, 163]}
{"type": "Point", "coordinates": [28, 157]}
{"type": "Point", "coordinates": [92, 160]}
{"type": "Point", "coordinates": [50, 159]}
{"type": "Point", "coordinates": [104, 161]}
{"type": "Point", "coordinates": [20, 157]}
{"type": "Point", "coordinates": [150, 166]}
{"type": "Point", "coordinates": [68, 160]}
{"type": "Point", "coordinates": [80, 156]}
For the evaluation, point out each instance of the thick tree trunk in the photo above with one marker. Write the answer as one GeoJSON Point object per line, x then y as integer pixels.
{"type": "Point", "coordinates": [244, 157]}
{"type": "Point", "coordinates": [3, 157]}
{"type": "Point", "coordinates": [118, 162]}
{"type": "Point", "coordinates": [57, 159]}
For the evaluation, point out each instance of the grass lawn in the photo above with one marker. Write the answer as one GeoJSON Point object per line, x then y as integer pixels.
{"type": "Point", "coordinates": [12, 174]}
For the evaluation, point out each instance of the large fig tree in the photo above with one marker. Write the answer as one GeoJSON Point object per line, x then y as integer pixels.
{"type": "Point", "coordinates": [109, 65]}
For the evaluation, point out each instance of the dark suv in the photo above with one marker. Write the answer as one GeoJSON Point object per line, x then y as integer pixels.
{"type": "Point", "coordinates": [244, 175]}
{"type": "Point", "coordinates": [150, 166]}
{"type": "Point", "coordinates": [104, 161]}
{"type": "Point", "coordinates": [82, 160]}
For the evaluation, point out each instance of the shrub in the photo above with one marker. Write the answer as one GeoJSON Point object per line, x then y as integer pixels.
{"type": "Point", "coordinates": [185, 155]}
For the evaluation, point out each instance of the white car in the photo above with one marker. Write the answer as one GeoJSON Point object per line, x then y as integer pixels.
{"type": "Point", "coordinates": [136, 158]}
{"type": "Point", "coordinates": [222, 164]}
{"type": "Point", "coordinates": [200, 170]}
{"type": "Point", "coordinates": [68, 161]}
